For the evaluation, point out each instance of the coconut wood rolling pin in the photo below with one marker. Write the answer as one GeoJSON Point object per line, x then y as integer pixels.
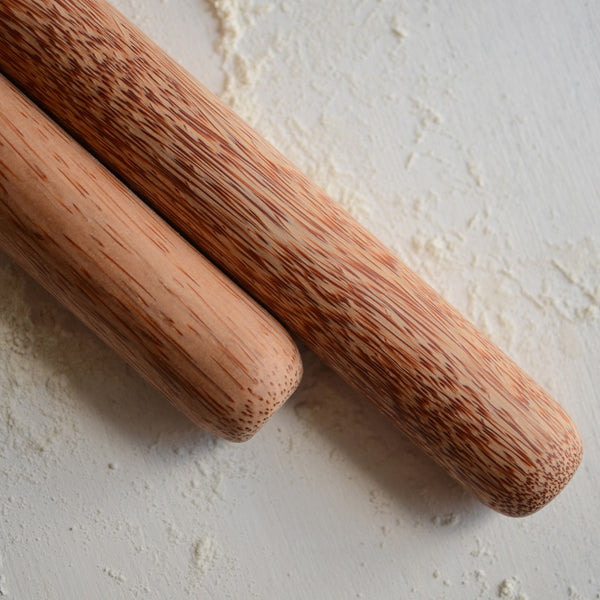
{"type": "Point", "coordinates": [218, 356]}
{"type": "Point", "coordinates": [337, 287]}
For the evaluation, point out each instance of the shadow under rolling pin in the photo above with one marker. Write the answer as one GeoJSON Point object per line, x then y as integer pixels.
{"type": "Point", "coordinates": [347, 296]}
{"type": "Point", "coordinates": [209, 348]}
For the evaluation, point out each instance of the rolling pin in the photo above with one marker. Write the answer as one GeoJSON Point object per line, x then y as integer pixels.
{"type": "Point", "coordinates": [338, 288]}
{"type": "Point", "coordinates": [209, 348]}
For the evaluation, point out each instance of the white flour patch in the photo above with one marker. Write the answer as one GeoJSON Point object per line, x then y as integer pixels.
{"type": "Point", "coordinates": [114, 574]}
{"type": "Point", "coordinates": [204, 553]}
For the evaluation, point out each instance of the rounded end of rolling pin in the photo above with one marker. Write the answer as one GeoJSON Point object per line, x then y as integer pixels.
{"type": "Point", "coordinates": [254, 395]}
{"type": "Point", "coordinates": [524, 481]}
{"type": "Point", "coordinates": [243, 373]}
{"type": "Point", "coordinates": [540, 487]}
{"type": "Point", "coordinates": [273, 382]}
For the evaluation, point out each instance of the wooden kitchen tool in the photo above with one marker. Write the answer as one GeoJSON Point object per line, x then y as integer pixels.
{"type": "Point", "coordinates": [337, 287]}
{"type": "Point", "coordinates": [212, 351]}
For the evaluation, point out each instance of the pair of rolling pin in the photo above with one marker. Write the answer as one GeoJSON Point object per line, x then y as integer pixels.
{"type": "Point", "coordinates": [350, 299]}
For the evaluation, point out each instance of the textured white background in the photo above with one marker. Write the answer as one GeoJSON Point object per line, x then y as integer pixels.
{"type": "Point", "coordinates": [463, 134]}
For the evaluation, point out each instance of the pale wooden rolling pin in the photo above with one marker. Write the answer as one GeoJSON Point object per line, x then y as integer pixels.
{"type": "Point", "coordinates": [212, 351]}
{"type": "Point", "coordinates": [346, 295]}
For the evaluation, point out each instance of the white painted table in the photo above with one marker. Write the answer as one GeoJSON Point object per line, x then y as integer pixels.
{"type": "Point", "coordinates": [465, 135]}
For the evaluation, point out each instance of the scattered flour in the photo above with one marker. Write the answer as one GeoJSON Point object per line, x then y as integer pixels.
{"type": "Point", "coordinates": [68, 406]}
{"type": "Point", "coordinates": [447, 520]}
{"type": "Point", "coordinates": [506, 588]}
{"type": "Point", "coordinates": [510, 589]}
{"type": "Point", "coordinates": [428, 191]}
{"type": "Point", "coordinates": [114, 574]}
{"type": "Point", "coordinates": [204, 554]}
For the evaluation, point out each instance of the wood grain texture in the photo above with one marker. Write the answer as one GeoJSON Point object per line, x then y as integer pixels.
{"type": "Point", "coordinates": [347, 296]}
{"type": "Point", "coordinates": [213, 352]}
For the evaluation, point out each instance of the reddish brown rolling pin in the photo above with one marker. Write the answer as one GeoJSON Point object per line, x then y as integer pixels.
{"type": "Point", "coordinates": [218, 356]}
{"type": "Point", "coordinates": [346, 295]}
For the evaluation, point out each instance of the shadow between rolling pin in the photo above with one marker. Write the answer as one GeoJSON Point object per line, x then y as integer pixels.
{"type": "Point", "coordinates": [400, 474]}
{"type": "Point", "coordinates": [77, 368]}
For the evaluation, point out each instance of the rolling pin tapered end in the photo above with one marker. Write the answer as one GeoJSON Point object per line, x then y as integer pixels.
{"type": "Point", "coordinates": [275, 382]}
{"type": "Point", "coordinates": [539, 487]}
